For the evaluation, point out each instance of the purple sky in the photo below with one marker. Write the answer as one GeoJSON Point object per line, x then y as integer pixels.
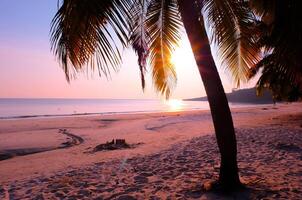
{"type": "Point", "coordinates": [28, 69]}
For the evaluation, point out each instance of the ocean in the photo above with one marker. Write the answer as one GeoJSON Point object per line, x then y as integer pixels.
{"type": "Point", "coordinates": [11, 108]}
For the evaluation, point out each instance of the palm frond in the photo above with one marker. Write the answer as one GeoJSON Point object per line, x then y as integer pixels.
{"type": "Point", "coordinates": [163, 24]}
{"type": "Point", "coordinates": [139, 37]}
{"type": "Point", "coordinates": [230, 29]}
{"type": "Point", "coordinates": [281, 67]}
{"type": "Point", "coordinates": [277, 77]}
{"type": "Point", "coordinates": [81, 34]}
{"type": "Point", "coordinates": [264, 9]}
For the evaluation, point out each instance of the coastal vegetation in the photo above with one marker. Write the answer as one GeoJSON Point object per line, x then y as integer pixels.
{"type": "Point", "coordinates": [280, 35]}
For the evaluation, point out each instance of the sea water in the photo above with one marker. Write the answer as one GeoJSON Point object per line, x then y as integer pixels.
{"type": "Point", "coordinates": [26, 108]}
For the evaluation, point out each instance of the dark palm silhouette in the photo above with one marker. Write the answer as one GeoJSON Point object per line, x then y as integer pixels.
{"type": "Point", "coordinates": [89, 33]}
{"type": "Point", "coordinates": [281, 36]}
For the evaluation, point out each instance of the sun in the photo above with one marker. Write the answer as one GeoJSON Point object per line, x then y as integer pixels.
{"type": "Point", "coordinates": [182, 55]}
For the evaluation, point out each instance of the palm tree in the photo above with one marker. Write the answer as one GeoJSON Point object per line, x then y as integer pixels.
{"type": "Point", "coordinates": [281, 36]}
{"type": "Point", "coordinates": [89, 33]}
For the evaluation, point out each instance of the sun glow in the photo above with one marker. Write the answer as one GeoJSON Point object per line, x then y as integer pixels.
{"type": "Point", "coordinates": [182, 56]}
{"type": "Point", "coordinates": [175, 104]}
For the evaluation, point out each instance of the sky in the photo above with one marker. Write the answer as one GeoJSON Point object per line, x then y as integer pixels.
{"type": "Point", "coordinates": [28, 69]}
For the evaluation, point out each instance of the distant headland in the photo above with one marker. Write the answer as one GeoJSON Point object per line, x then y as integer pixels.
{"type": "Point", "coordinates": [243, 96]}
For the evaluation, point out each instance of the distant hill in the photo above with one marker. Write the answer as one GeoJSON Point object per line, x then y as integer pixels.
{"type": "Point", "coordinates": [243, 96]}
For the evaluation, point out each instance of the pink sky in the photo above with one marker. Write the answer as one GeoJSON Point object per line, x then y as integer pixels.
{"type": "Point", "coordinates": [29, 70]}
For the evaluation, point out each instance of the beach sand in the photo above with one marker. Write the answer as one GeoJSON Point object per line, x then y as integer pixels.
{"type": "Point", "coordinates": [175, 154]}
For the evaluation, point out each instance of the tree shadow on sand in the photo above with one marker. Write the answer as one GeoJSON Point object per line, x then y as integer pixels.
{"type": "Point", "coordinates": [180, 172]}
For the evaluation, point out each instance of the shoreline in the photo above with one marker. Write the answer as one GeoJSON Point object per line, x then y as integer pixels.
{"type": "Point", "coordinates": [82, 114]}
{"type": "Point", "coordinates": [165, 135]}
{"type": "Point", "coordinates": [235, 106]}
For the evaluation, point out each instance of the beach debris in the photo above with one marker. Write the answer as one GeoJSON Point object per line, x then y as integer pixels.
{"type": "Point", "coordinates": [114, 145]}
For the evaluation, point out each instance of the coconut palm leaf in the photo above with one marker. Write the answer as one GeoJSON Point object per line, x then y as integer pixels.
{"type": "Point", "coordinates": [90, 32]}
{"type": "Point", "coordinates": [275, 78]}
{"type": "Point", "coordinates": [264, 9]}
{"type": "Point", "coordinates": [282, 38]}
{"type": "Point", "coordinates": [230, 31]}
{"type": "Point", "coordinates": [139, 37]}
{"type": "Point", "coordinates": [163, 25]}
{"type": "Point", "coordinates": [81, 34]}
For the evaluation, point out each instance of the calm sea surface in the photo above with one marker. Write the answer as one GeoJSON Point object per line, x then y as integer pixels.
{"type": "Point", "coordinates": [23, 108]}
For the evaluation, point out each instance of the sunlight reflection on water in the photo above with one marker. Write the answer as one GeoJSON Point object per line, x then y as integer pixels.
{"type": "Point", "coordinates": [175, 104]}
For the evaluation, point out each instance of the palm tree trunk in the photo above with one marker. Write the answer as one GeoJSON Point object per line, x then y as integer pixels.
{"type": "Point", "coordinates": [221, 114]}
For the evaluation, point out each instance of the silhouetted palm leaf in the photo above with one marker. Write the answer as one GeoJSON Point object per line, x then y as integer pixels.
{"type": "Point", "coordinates": [264, 9]}
{"type": "Point", "coordinates": [281, 67]}
{"type": "Point", "coordinates": [82, 34]}
{"type": "Point", "coordinates": [139, 37]}
{"type": "Point", "coordinates": [163, 24]}
{"type": "Point", "coordinates": [230, 29]}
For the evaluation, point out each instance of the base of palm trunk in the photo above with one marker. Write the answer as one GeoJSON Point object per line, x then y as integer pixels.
{"type": "Point", "coordinates": [218, 186]}
{"type": "Point", "coordinates": [227, 182]}
{"type": "Point", "coordinates": [228, 175]}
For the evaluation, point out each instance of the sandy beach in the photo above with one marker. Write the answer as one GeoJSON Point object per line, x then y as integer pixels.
{"type": "Point", "coordinates": [174, 154]}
